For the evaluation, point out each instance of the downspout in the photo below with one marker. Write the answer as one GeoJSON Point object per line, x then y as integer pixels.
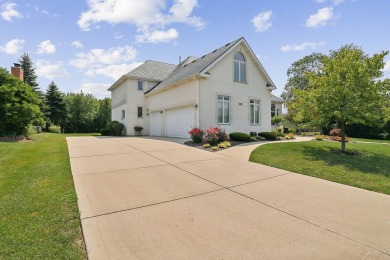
{"type": "Point", "coordinates": [197, 121]}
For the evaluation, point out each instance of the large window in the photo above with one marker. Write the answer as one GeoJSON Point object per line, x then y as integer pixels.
{"type": "Point", "coordinates": [139, 111]}
{"type": "Point", "coordinates": [239, 68]}
{"type": "Point", "coordinates": [273, 111]}
{"type": "Point", "coordinates": [255, 111]}
{"type": "Point", "coordinates": [223, 110]}
{"type": "Point", "coordinates": [140, 85]}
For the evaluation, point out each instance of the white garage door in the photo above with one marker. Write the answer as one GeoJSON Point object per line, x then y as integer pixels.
{"type": "Point", "coordinates": [155, 123]}
{"type": "Point", "coordinates": [180, 121]}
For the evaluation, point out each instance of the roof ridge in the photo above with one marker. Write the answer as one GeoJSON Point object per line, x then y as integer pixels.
{"type": "Point", "coordinates": [161, 62]}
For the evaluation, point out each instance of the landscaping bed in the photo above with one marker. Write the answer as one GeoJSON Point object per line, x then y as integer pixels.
{"type": "Point", "coordinates": [233, 143]}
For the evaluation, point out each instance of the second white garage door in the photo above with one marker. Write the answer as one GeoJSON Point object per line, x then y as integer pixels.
{"type": "Point", "coordinates": [180, 121]}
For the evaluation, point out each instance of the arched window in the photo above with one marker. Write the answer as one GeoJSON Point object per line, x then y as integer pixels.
{"type": "Point", "coordinates": [239, 68]}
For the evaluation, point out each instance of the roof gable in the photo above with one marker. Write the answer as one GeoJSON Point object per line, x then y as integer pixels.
{"type": "Point", "coordinates": [149, 70]}
{"type": "Point", "coordinates": [193, 68]}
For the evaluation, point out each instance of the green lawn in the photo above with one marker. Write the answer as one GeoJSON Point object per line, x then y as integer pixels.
{"type": "Point", "coordinates": [370, 171]}
{"type": "Point", "coordinates": [369, 140]}
{"type": "Point", "coordinates": [39, 217]}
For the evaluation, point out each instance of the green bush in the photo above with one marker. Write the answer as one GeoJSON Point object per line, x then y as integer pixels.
{"type": "Point", "coordinates": [253, 138]}
{"type": "Point", "coordinates": [253, 134]}
{"type": "Point", "coordinates": [54, 129]}
{"type": "Point", "coordinates": [279, 134]}
{"type": "Point", "coordinates": [237, 136]}
{"type": "Point", "coordinates": [269, 135]}
{"type": "Point", "coordinates": [117, 128]}
{"type": "Point", "coordinates": [105, 132]}
{"type": "Point", "coordinates": [109, 125]}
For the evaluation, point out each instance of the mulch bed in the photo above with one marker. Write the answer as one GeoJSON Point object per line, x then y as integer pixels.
{"type": "Point", "coordinates": [11, 138]}
{"type": "Point", "coordinates": [234, 143]}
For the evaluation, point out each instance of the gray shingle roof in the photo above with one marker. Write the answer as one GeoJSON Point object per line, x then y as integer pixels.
{"type": "Point", "coordinates": [276, 99]}
{"type": "Point", "coordinates": [152, 70]}
{"type": "Point", "coordinates": [186, 69]}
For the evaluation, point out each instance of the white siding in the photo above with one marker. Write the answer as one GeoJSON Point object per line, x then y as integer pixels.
{"type": "Point", "coordinates": [220, 82]}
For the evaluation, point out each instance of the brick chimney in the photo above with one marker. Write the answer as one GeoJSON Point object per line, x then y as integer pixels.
{"type": "Point", "coordinates": [17, 71]}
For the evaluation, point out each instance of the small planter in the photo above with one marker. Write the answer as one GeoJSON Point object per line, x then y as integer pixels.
{"type": "Point", "coordinates": [138, 130]}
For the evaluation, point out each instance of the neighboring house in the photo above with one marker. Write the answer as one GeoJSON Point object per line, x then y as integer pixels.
{"type": "Point", "coordinates": [227, 87]}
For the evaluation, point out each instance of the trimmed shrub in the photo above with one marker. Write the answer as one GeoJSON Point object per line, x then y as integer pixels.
{"type": "Point", "coordinates": [237, 136]}
{"type": "Point", "coordinates": [105, 132]}
{"type": "Point", "coordinates": [109, 125]}
{"type": "Point", "coordinates": [253, 134]}
{"type": "Point", "coordinates": [268, 135]}
{"type": "Point", "coordinates": [117, 128]}
{"type": "Point", "coordinates": [279, 134]}
{"type": "Point", "coordinates": [207, 145]}
{"type": "Point", "coordinates": [253, 139]}
{"type": "Point", "coordinates": [320, 137]}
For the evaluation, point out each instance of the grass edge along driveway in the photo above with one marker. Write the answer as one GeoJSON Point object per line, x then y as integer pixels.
{"type": "Point", "coordinates": [371, 171]}
{"type": "Point", "coordinates": [39, 216]}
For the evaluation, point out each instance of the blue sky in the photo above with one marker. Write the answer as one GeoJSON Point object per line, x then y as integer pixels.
{"type": "Point", "coordinates": [87, 45]}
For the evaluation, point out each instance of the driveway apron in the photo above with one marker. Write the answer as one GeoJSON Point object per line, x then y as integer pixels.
{"type": "Point", "coordinates": [141, 198]}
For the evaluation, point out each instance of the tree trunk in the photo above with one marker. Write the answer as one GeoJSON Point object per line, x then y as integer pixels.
{"type": "Point", "coordinates": [342, 127]}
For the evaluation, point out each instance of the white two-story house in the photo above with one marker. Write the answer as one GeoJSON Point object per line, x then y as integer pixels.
{"type": "Point", "coordinates": [227, 87]}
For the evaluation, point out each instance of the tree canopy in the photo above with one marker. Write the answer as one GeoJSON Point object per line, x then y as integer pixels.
{"type": "Point", "coordinates": [344, 90]}
{"type": "Point", "coordinates": [19, 105]}
{"type": "Point", "coordinates": [297, 79]}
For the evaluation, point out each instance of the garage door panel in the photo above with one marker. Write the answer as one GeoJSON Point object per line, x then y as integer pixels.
{"type": "Point", "coordinates": [179, 122]}
{"type": "Point", "coordinates": [155, 124]}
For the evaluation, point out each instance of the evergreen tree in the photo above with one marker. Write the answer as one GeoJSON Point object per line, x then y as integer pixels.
{"type": "Point", "coordinates": [29, 76]}
{"type": "Point", "coordinates": [56, 111]}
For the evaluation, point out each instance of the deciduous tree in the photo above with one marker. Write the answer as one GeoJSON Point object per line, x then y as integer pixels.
{"type": "Point", "coordinates": [345, 90]}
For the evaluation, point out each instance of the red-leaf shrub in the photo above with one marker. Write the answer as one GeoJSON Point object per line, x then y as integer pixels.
{"type": "Point", "coordinates": [196, 135]}
{"type": "Point", "coordinates": [214, 135]}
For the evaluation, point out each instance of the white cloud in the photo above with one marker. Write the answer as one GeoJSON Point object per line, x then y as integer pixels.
{"type": "Point", "coordinates": [113, 71]}
{"type": "Point", "coordinates": [43, 11]}
{"type": "Point", "coordinates": [46, 47]}
{"type": "Point", "coordinates": [8, 12]}
{"type": "Point", "coordinates": [50, 70]}
{"type": "Point", "coordinates": [301, 47]}
{"type": "Point", "coordinates": [321, 18]}
{"type": "Point", "coordinates": [386, 69]}
{"type": "Point", "coordinates": [337, 2]}
{"type": "Point", "coordinates": [77, 44]}
{"type": "Point", "coordinates": [96, 57]}
{"type": "Point", "coordinates": [320, 1]}
{"type": "Point", "coordinates": [147, 15]}
{"type": "Point", "coordinates": [99, 90]}
{"type": "Point", "coordinates": [157, 36]}
{"type": "Point", "coordinates": [262, 22]}
{"type": "Point", "coordinates": [13, 46]}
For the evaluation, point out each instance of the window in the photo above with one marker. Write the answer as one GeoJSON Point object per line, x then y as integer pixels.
{"type": "Point", "coordinates": [139, 111]}
{"type": "Point", "coordinates": [255, 111]}
{"type": "Point", "coordinates": [140, 85]}
{"type": "Point", "coordinates": [123, 114]}
{"type": "Point", "coordinates": [223, 110]}
{"type": "Point", "coordinates": [239, 68]}
{"type": "Point", "coordinates": [273, 113]}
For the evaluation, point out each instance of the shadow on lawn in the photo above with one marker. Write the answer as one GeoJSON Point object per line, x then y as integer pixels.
{"type": "Point", "coordinates": [369, 162]}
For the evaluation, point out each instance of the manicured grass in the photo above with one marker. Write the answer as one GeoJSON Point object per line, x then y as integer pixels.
{"type": "Point", "coordinates": [370, 171]}
{"type": "Point", "coordinates": [369, 140]}
{"type": "Point", "coordinates": [39, 217]}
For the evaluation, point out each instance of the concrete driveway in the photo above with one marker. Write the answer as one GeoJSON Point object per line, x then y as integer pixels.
{"type": "Point", "coordinates": [142, 198]}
